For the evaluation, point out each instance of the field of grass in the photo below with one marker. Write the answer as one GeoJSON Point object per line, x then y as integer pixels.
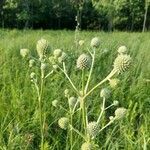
{"type": "Point", "coordinates": [19, 125]}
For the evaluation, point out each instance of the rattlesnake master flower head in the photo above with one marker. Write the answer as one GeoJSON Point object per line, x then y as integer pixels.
{"type": "Point", "coordinates": [83, 61]}
{"type": "Point", "coordinates": [122, 50]}
{"type": "Point", "coordinates": [24, 52]}
{"type": "Point", "coordinates": [32, 75]}
{"type": "Point", "coordinates": [55, 103]}
{"type": "Point", "coordinates": [63, 123]}
{"type": "Point", "coordinates": [120, 112]}
{"type": "Point", "coordinates": [43, 66]}
{"type": "Point", "coordinates": [92, 129]}
{"type": "Point", "coordinates": [72, 101]}
{"type": "Point", "coordinates": [41, 47]}
{"type": "Point", "coordinates": [114, 82]}
{"type": "Point", "coordinates": [66, 92]}
{"type": "Point", "coordinates": [31, 62]}
{"type": "Point", "coordinates": [115, 103]}
{"type": "Point", "coordinates": [122, 63]}
{"type": "Point", "coordinates": [57, 53]}
{"type": "Point", "coordinates": [62, 58]}
{"type": "Point", "coordinates": [87, 146]}
{"type": "Point", "coordinates": [81, 42]}
{"type": "Point", "coordinates": [95, 42]}
{"type": "Point", "coordinates": [52, 60]}
{"type": "Point", "coordinates": [105, 93]}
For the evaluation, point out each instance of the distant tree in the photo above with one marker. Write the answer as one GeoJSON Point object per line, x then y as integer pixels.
{"type": "Point", "coordinates": [147, 4]}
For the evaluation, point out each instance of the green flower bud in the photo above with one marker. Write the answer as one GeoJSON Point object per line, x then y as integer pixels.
{"type": "Point", "coordinates": [92, 129]}
{"type": "Point", "coordinates": [31, 62]}
{"type": "Point", "coordinates": [41, 47]}
{"type": "Point", "coordinates": [115, 103]}
{"type": "Point", "coordinates": [87, 146]}
{"type": "Point", "coordinates": [95, 42]}
{"type": "Point", "coordinates": [55, 103]}
{"type": "Point", "coordinates": [105, 93]}
{"type": "Point", "coordinates": [83, 62]}
{"type": "Point", "coordinates": [57, 53]}
{"type": "Point", "coordinates": [72, 101]}
{"type": "Point", "coordinates": [122, 63]}
{"type": "Point", "coordinates": [120, 112]}
{"type": "Point", "coordinates": [122, 50]}
{"type": "Point", "coordinates": [63, 123]}
{"type": "Point", "coordinates": [24, 52]}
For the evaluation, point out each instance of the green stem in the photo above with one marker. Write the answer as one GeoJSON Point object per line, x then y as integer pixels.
{"type": "Point", "coordinates": [113, 72]}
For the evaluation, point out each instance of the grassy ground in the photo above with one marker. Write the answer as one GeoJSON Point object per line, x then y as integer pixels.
{"type": "Point", "coordinates": [19, 127]}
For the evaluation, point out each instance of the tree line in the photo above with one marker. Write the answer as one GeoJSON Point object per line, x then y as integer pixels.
{"type": "Point", "coordinates": [132, 15]}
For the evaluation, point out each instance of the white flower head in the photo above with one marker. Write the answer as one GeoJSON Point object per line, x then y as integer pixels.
{"type": "Point", "coordinates": [63, 123]}
{"type": "Point", "coordinates": [105, 93]}
{"type": "Point", "coordinates": [55, 103]}
{"type": "Point", "coordinates": [57, 53]}
{"type": "Point", "coordinates": [120, 112]}
{"type": "Point", "coordinates": [87, 146]}
{"type": "Point", "coordinates": [81, 42]}
{"type": "Point", "coordinates": [24, 52]}
{"type": "Point", "coordinates": [95, 42]}
{"type": "Point", "coordinates": [31, 62]}
{"type": "Point", "coordinates": [92, 129]}
{"type": "Point", "coordinates": [122, 50]}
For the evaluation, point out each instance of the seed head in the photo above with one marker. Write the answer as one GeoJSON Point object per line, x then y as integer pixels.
{"type": "Point", "coordinates": [41, 47]}
{"type": "Point", "coordinates": [114, 82]}
{"type": "Point", "coordinates": [72, 101]}
{"type": "Point", "coordinates": [63, 123]}
{"type": "Point", "coordinates": [120, 112]}
{"type": "Point", "coordinates": [57, 53]}
{"type": "Point", "coordinates": [83, 62]}
{"type": "Point", "coordinates": [105, 93]}
{"type": "Point", "coordinates": [87, 146]}
{"type": "Point", "coordinates": [122, 50]}
{"type": "Point", "coordinates": [95, 42]}
{"type": "Point", "coordinates": [122, 63]}
{"type": "Point", "coordinates": [24, 52]}
{"type": "Point", "coordinates": [92, 129]}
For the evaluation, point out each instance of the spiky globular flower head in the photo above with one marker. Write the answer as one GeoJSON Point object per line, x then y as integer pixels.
{"type": "Point", "coordinates": [81, 42]}
{"type": "Point", "coordinates": [31, 62]}
{"type": "Point", "coordinates": [72, 101]}
{"type": "Point", "coordinates": [95, 42]}
{"type": "Point", "coordinates": [115, 103]}
{"type": "Point", "coordinates": [105, 93]}
{"type": "Point", "coordinates": [114, 82]}
{"type": "Point", "coordinates": [92, 129]}
{"type": "Point", "coordinates": [24, 52]}
{"type": "Point", "coordinates": [52, 60]}
{"type": "Point", "coordinates": [41, 47]}
{"type": "Point", "coordinates": [55, 103]}
{"type": "Point", "coordinates": [63, 123]}
{"type": "Point", "coordinates": [122, 50]}
{"type": "Point", "coordinates": [111, 118]}
{"type": "Point", "coordinates": [87, 146]}
{"type": "Point", "coordinates": [84, 61]}
{"type": "Point", "coordinates": [120, 112]}
{"type": "Point", "coordinates": [66, 92]}
{"type": "Point", "coordinates": [57, 53]}
{"type": "Point", "coordinates": [122, 63]}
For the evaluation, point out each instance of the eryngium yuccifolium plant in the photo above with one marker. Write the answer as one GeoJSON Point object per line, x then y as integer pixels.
{"type": "Point", "coordinates": [122, 50]}
{"type": "Point", "coordinates": [122, 63]}
{"type": "Point", "coordinates": [105, 93]}
{"type": "Point", "coordinates": [95, 42]}
{"type": "Point", "coordinates": [120, 112]}
{"type": "Point", "coordinates": [87, 146]}
{"type": "Point", "coordinates": [41, 47]}
{"type": "Point", "coordinates": [72, 101]}
{"type": "Point", "coordinates": [92, 129]}
{"type": "Point", "coordinates": [24, 52]}
{"type": "Point", "coordinates": [63, 123]}
{"type": "Point", "coordinates": [84, 61]}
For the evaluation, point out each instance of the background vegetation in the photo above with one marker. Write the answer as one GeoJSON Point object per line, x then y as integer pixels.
{"type": "Point", "coordinates": [60, 14]}
{"type": "Point", "coordinates": [19, 127]}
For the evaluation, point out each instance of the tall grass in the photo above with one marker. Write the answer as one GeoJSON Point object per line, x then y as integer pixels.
{"type": "Point", "coordinates": [19, 128]}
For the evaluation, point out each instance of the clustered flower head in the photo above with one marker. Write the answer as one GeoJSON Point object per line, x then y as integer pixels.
{"type": "Point", "coordinates": [92, 129]}
{"type": "Point", "coordinates": [122, 50]}
{"type": "Point", "coordinates": [105, 93]}
{"type": "Point", "coordinates": [120, 112]}
{"type": "Point", "coordinates": [83, 62]}
{"type": "Point", "coordinates": [122, 63]}
{"type": "Point", "coordinates": [63, 123]}
{"type": "Point", "coordinates": [41, 47]}
{"type": "Point", "coordinates": [95, 42]}
{"type": "Point", "coordinates": [24, 52]}
{"type": "Point", "coordinates": [55, 103]}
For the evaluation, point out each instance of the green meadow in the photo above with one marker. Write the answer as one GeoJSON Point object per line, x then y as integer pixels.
{"type": "Point", "coordinates": [19, 123]}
